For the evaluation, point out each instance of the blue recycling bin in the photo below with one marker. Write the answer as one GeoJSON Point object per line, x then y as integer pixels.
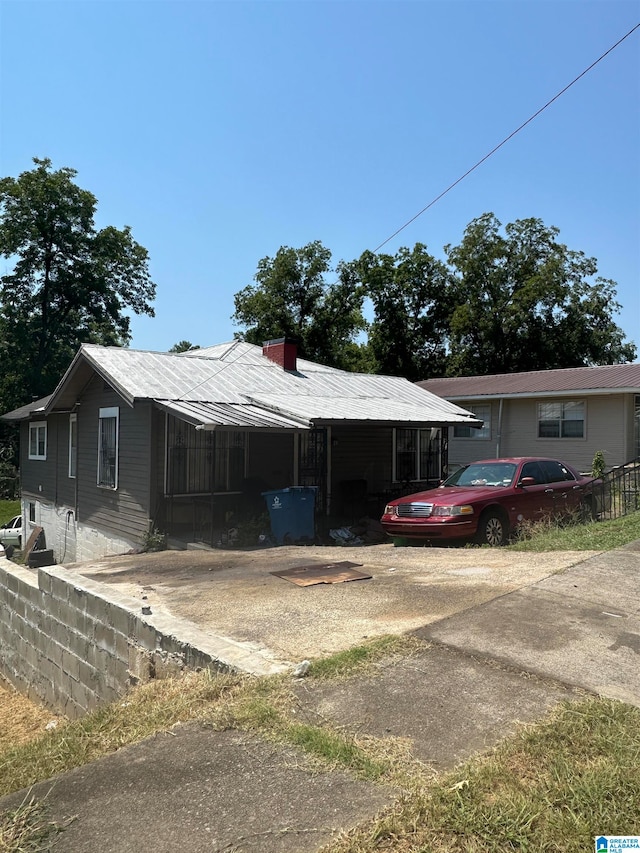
{"type": "Point", "coordinates": [292, 513]}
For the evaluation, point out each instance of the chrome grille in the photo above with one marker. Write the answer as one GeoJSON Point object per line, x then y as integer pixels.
{"type": "Point", "coordinates": [414, 510]}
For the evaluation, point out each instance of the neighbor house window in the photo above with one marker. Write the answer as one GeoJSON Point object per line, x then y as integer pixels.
{"type": "Point", "coordinates": [561, 420]}
{"type": "Point", "coordinates": [32, 512]}
{"type": "Point", "coordinates": [73, 444]}
{"type": "Point", "coordinates": [38, 440]}
{"type": "Point", "coordinates": [482, 413]}
{"type": "Point", "coordinates": [416, 454]}
{"type": "Point", "coordinates": [108, 448]}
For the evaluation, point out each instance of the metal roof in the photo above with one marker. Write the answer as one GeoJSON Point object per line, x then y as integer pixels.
{"type": "Point", "coordinates": [606, 379]}
{"type": "Point", "coordinates": [234, 384]}
{"type": "Point", "coordinates": [231, 415]}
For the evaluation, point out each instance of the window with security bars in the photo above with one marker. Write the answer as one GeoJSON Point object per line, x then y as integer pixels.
{"type": "Point", "coordinates": [203, 461]}
{"type": "Point", "coordinates": [416, 454]}
{"type": "Point", "coordinates": [561, 420]}
{"type": "Point", "coordinates": [108, 448]}
{"type": "Point", "coordinates": [73, 444]}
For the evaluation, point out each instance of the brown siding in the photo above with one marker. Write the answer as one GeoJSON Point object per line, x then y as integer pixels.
{"type": "Point", "coordinates": [125, 510]}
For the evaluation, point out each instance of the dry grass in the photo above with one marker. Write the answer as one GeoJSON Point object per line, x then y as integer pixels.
{"type": "Point", "coordinates": [21, 720]}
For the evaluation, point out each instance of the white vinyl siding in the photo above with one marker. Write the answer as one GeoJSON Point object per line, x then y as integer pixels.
{"type": "Point", "coordinates": [38, 440]}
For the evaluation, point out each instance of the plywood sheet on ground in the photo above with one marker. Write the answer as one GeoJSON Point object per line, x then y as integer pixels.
{"type": "Point", "coordinates": [324, 573]}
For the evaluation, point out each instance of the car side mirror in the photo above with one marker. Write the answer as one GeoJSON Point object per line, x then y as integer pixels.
{"type": "Point", "coordinates": [527, 481]}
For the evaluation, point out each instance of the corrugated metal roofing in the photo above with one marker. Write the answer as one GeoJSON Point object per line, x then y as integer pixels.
{"type": "Point", "coordinates": [612, 378]}
{"type": "Point", "coordinates": [230, 415]}
{"type": "Point", "coordinates": [230, 377]}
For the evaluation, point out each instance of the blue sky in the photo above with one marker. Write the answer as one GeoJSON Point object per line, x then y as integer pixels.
{"type": "Point", "coordinates": [222, 131]}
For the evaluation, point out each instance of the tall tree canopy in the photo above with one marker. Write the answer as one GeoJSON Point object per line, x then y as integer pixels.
{"type": "Point", "coordinates": [292, 298]}
{"type": "Point", "coordinates": [412, 296]}
{"type": "Point", "coordinates": [501, 302]}
{"type": "Point", "coordinates": [524, 301]}
{"type": "Point", "coordinates": [70, 283]}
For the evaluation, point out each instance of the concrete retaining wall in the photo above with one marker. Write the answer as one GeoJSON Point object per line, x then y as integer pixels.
{"type": "Point", "coordinates": [74, 644]}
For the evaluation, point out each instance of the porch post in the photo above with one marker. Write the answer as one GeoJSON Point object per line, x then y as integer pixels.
{"type": "Point", "coordinates": [296, 459]}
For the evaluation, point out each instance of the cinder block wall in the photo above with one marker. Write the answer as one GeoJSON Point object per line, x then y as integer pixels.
{"type": "Point", "coordinates": [74, 644]}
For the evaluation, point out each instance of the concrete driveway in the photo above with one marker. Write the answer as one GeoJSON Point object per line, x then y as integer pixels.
{"type": "Point", "coordinates": [232, 593]}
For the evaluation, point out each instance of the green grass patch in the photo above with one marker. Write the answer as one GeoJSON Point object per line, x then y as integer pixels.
{"type": "Point", "coordinates": [334, 749]}
{"type": "Point", "coordinates": [28, 829]}
{"type": "Point", "coordinates": [359, 658]}
{"type": "Point", "coordinates": [553, 787]}
{"type": "Point", "coordinates": [551, 535]}
{"type": "Point", "coordinates": [7, 510]}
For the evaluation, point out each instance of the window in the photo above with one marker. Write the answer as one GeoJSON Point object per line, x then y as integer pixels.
{"type": "Point", "coordinates": [32, 512]}
{"type": "Point", "coordinates": [483, 413]}
{"type": "Point", "coordinates": [203, 461]}
{"type": "Point", "coordinates": [561, 420]}
{"type": "Point", "coordinates": [38, 440]}
{"type": "Point", "coordinates": [73, 444]}
{"type": "Point", "coordinates": [416, 454]}
{"type": "Point", "coordinates": [556, 472]}
{"type": "Point", "coordinates": [108, 448]}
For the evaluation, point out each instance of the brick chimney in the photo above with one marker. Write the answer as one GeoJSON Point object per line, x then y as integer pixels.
{"type": "Point", "coordinates": [282, 351]}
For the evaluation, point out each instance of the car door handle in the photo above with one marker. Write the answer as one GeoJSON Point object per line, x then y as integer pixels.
{"type": "Point", "coordinates": [548, 491]}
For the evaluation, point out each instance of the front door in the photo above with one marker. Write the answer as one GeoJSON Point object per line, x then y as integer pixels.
{"type": "Point", "coordinates": [312, 464]}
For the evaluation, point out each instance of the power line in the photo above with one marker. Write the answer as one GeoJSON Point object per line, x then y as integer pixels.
{"type": "Point", "coordinates": [505, 140]}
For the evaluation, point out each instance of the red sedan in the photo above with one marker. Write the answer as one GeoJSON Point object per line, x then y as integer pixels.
{"type": "Point", "coordinates": [488, 499]}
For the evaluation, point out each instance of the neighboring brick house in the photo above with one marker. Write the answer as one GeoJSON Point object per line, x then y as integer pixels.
{"type": "Point", "coordinates": [567, 414]}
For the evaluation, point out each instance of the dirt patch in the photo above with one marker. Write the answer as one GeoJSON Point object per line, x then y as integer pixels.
{"type": "Point", "coordinates": [233, 593]}
{"type": "Point", "coordinates": [21, 720]}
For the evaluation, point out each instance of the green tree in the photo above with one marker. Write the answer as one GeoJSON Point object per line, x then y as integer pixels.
{"type": "Point", "coordinates": [412, 301]}
{"type": "Point", "coordinates": [184, 346]}
{"type": "Point", "coordinates": [70, 283]}
{"type": "Point", "coordinates": [292, 298]}
{"type": "Point", "coordinates": [525, 301]}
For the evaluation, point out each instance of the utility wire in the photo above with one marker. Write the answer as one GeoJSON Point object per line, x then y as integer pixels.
{"type": "Point", "coordinates": [505, 140]}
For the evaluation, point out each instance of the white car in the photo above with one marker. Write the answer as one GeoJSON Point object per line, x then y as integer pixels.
{"type": "Point", "coordinates": [11, 532]}
{"type": "Point", "coordinates": [3, 556]}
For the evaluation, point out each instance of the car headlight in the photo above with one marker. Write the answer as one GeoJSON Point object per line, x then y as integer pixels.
{"type": "Point", "coordinates": [465, 509]}
{"type": "Point", "coordinates": [389, 510]}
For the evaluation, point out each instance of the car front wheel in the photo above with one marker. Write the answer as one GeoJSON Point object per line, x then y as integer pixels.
{"type": "Point", "coordinates": [493, 530]}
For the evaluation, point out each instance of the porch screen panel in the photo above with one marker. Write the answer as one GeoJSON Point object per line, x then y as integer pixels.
{"type": "Point", "coordinates": [406, 454]}
{"type": "Point", "coordinates": [430, 454]}
{"type": "Point", "coordinates": [190, 458]}
{"type": "Point", "coordinates": [229, 461]}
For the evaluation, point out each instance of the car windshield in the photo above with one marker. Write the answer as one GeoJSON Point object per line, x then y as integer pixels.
{"type": "Point", "coordinates": [483, 474]}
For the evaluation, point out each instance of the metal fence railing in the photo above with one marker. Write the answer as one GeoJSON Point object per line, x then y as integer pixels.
{"type": "Point", "coordinates": [617, 493]}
